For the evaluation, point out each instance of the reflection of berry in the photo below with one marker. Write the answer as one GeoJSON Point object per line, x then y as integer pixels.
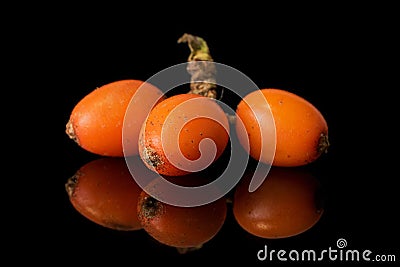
{"type": "Point", "coordinates": [286, 204]}
{"type": "Point", "coordinates": [181, 227]}
{"type": "Point", "coordinates": [104, 192]}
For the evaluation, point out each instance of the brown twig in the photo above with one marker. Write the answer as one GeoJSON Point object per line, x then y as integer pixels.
{"type": "Point", "coordinates": [201, 67]}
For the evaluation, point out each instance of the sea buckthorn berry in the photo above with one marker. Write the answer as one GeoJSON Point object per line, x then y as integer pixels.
{"type": "Point", "coordinates": [300, 129]}
{"type": "Point", "coordinates": [96, 122]}
{"type": "Point", "coordinates": [183, 134]}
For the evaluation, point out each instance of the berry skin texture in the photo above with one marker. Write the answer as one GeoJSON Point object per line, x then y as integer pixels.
{"type": "Point", "coordinates": [181, 227]}
{"type": "Point", "coordinates": [300, 129]}
{"type": "Point", "coordinates": [96, 122]}
{"type": "Point", "coordinates": [288, 203]}
{"type": "Point", "coordinates": [104, 192]}
{"type": "Point", "coordinates": [172, 136]}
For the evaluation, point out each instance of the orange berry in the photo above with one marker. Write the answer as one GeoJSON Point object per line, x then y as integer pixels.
{"type": "Point", "coordinates": [96, 122]}
{"type": "Point", "coordinates": [185, 120]}
{"type": "Point", "coordinates": [300, 129]}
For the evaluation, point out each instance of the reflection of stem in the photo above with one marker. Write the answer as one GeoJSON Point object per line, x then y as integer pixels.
{"type": "Point", "coordinates": [189, 249]}
{"type": "Point", "coordinates": [200, 66]}
{"type": "Point", "coordinates": [70, 185]}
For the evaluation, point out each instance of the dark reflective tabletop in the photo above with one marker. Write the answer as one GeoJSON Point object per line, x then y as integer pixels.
{"type": "Point", "coordinates": [358, 198]}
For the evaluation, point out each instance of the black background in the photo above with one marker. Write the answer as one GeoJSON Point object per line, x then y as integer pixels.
{"type": "Point", "coordinates": [335, 57]}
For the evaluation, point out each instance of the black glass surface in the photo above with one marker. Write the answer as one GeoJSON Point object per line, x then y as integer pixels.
{"type": "Point", "coordinates": [315, 62]}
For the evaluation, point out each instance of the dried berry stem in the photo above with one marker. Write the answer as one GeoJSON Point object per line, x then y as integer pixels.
{"type": "Point", "coordinates": [201, 67]}
{"type": "Point", "coordinates": [69, 129]}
